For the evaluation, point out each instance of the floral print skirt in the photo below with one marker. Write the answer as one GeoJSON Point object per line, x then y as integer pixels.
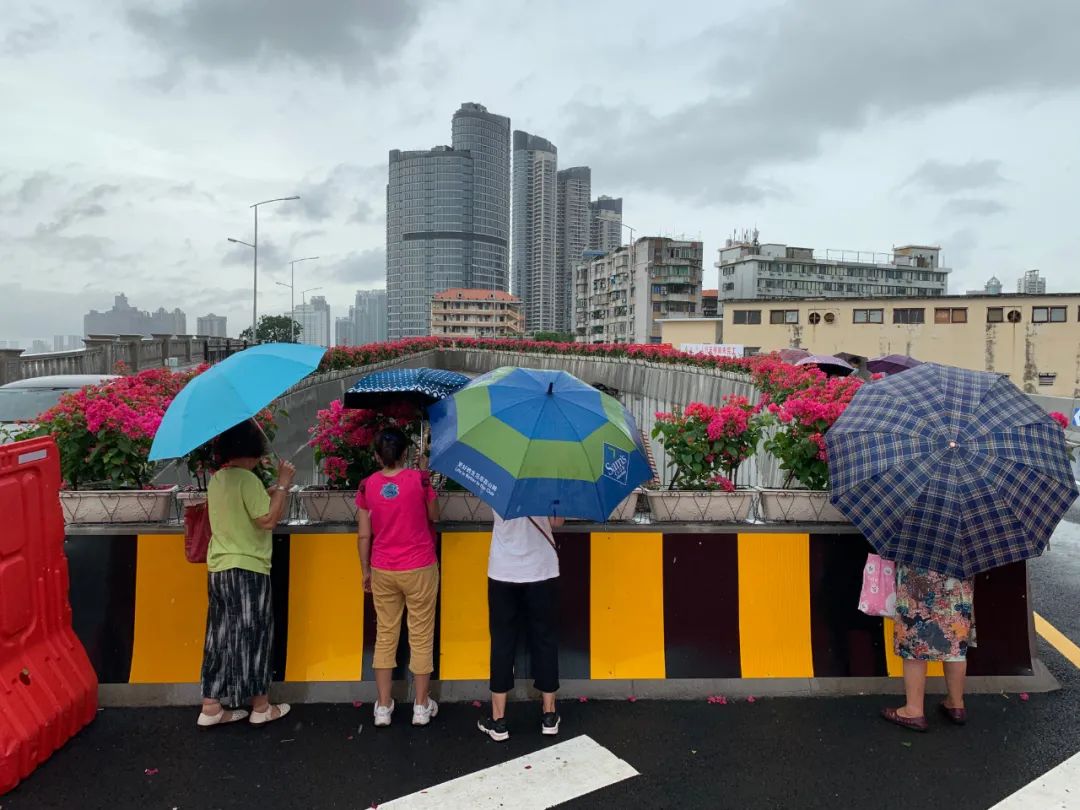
{"type": "Point", "coordinates": [935, 615]}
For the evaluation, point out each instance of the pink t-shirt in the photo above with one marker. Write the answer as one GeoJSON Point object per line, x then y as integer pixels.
{"type": "Point", "coordinates": [402, 538]}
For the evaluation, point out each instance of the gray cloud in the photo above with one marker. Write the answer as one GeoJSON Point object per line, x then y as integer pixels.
{"type": "Point", "coordinates": [346, 185]}
{"type": "Point", "coordinates": [86, 206]}
{"type": "Point", "coordinates": [272, 258]}
{"type": "Point", "coordinates": [801, 71]}
{"type": "Point", "coordinates": [33, 187]}
{"type": "Point", "coordinates": [30, 38]}
{"type": "Point", "coordinates": [328, 35]}
{"type": "Point", "coordinates": [949, 178]}
{"type": "Point", "coordinates": [964, 206]}
{"type": "Point", "coordinates": [365, 212]}
{"type": "Point", "coordinates": [361, 268]}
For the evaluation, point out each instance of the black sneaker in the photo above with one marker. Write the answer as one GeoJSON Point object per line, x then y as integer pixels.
{"type": "Point", "coordinates": [496, 729]}
{"type": "Point", "coordinates": [549, 723]}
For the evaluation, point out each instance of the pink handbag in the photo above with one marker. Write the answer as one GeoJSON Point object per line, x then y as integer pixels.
{"type": "Point", "coordinates": [878, 596]}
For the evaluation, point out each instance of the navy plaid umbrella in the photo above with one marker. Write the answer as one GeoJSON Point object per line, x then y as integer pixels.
{"type": "Point", "coordinates": [420, 386]}
{"type": "Point", "coordinates": [952, 470]}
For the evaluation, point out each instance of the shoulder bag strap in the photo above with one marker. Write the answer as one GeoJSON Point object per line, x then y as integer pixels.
{"type": "Point", "coordinates": [547, 536]}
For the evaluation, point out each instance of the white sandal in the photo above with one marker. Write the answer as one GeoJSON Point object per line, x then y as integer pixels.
{"type": "Point", "coordinates": [209, 720]}
{"type": "Point", "coordinates": [259, 718]}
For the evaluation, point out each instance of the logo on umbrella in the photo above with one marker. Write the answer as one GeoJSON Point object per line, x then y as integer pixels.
{"type": "Point", "coordinates": [616, 464]}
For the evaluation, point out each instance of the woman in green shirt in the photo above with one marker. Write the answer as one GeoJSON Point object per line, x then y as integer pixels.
{"type": "Point", "coordinates": [240, 617]}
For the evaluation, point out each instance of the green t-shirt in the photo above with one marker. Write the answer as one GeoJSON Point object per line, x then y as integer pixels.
{"type": "Point", "coordinates": [235, 497]}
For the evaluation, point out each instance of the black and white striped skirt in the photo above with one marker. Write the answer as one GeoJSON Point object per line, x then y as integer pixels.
{"type": "Point", "coordinates": [239, 636]}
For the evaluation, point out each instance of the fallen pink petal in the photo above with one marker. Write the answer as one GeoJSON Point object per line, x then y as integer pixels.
{"type": "Point", "coordinates": [582, 699]}
{"type": "Point", "coordinates": [477, 704]}
{"type": "Point", "coordinates": [632, 699]}
{"type": "Point", "coordinates": [151, 771]}
{"type": "Point", "coordinates": [1024, 696]}
{"type": "Point", "coordinates": [751, 699]}
{"type": "Point", "coordinates": [356, 704]}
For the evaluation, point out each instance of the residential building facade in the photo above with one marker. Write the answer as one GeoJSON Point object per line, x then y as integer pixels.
{"type": "Point", "coordinates": [447, 218]}
{"type": "Point", "coordinates": [369, 317]}
{"type": "Point", "coordinates": [345, 330]}
{"type": "Point", "coordinates": [476, 313]}
{"type": "Point", "coordinates": [622, 296]}
{"type": "Point", "coordinates": [574, 187]}
{"type": "Point", "coordinates": [605, 223]}
{"type": "Point", "coordinates": [709, 303]}
{"type": "Point", "coordinates": [316, 325]}
{"type": "Point", "coordinates": [750, 269]}
{"type": "Point", "coordinates": [1031, 283]}
{"type": "Point", "coordinates": [535, 215]}
{"type": "Point", "coordinates": [212, 326]}
{"type": "Point", "coordinates": [1035, 339]}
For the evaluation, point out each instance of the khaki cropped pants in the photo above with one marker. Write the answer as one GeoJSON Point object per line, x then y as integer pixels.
{"type": "Point", "coordinates": [416, 591]}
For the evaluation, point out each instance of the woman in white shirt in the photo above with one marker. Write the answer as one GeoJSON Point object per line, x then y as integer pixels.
{"type": "Point", "coordinates": [523, 592]}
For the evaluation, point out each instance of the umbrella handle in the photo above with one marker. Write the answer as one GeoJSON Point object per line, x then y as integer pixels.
{"type": "Point", "coordinates": [269, 446]}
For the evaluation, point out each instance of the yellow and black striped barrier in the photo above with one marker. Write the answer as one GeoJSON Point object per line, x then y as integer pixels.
{"type": "Point", "coordinates": [642, 603]}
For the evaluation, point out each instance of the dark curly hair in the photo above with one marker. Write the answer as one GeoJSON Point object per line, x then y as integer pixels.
{"type": "Point", "coordinates": [244, 440]}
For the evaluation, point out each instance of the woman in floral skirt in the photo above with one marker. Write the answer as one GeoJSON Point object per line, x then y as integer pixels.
{"type": "Point", "coordinates": [935, 621]}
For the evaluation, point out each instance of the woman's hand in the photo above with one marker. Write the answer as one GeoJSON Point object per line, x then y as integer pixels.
{"type": "Point", "coordinates": [367, 581]}
{"type": "Point", "coordinates": [285, 474]}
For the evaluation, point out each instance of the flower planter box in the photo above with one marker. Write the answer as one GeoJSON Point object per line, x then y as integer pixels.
{"type": "Point", "coordinates": [328, 505]}
{"type": "Point", "coordinates": [798, 506]}
{"type": "Point", "coordinates": [463, 507]}
{"type": "Point", "coordinates": [118, 506]}
{"type": "Point", "coordinates": [684, 505]}
{"type": "Point", "coordinates": [193, 497]}
{"type": "Point", "coordinates": [627, 508]}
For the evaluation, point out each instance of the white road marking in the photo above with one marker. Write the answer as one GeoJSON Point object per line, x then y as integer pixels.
{"type": "Point", "coordinates": [535, 781]}
{"type": "Point", "coordinates": [1057, 789]}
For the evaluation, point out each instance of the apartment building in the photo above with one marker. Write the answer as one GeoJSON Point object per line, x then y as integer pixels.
{"type": "Point", "coordinates": [750, 269]}
{"type": "Point", "coordinates": [1034, 339]}
{"type": "Point", "coordinates": [476, 313]}
{"type": "Point", "coordinates": [622, 296]}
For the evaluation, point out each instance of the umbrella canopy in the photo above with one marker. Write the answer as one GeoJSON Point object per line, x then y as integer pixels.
{"type": "Point", "coordinates": [531, 442]}
{"type": "Point", "coordinates": [828, 363]}
{"type": "Point", "coordinates": [792, 355]}
{"type": "Point", "coordinates": [419, 386]}
{"type": "Point", "coordinates": [952, 470]}
{"type": "Point", "coordinates": [892, 363]}
{"type": "Point", "coordinates": [235, 389]}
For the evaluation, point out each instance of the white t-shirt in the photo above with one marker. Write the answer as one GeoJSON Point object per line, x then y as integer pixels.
{"type": "Point", "coordinates": [520, 552]}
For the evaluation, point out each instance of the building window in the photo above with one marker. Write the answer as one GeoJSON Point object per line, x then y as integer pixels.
{"type": "Point", "coordinates": [995, 315]}
{"type": "Point", "coordinates": [747, 317]}
{"type": "Point", "coordinates": [729, 286]}
{"type": "Point", "coordinates": [786, 316]}
{"type": "Point", "coordinates": [869, 315]}
{"type": "Point", "coordinates": [1047, 379]}
{"type": "Point", "coordinates": [1048, 314]}
{"type": "Point", "coordinates": [909, 316]}
{"type": "Point", "coordinates": [950, 315]}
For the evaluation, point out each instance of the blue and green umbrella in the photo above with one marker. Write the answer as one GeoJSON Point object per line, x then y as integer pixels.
{"type": "Point", "coordinates": [533, 442]}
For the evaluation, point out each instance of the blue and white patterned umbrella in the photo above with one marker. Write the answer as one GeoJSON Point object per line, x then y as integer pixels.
{"type": "Point", "coordinates": [419, 386]}
{"type": "Point", "coordinates": [952, 470]}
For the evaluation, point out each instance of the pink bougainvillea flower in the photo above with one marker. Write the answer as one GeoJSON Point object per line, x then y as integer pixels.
{"type": "Point", "coordinates": [1060, 418]}
{"type": "Point", "coordinates": [751, 699]}
{"type": "Point", "coordinates": [582, 699]}
{"type": "Point", "coordinates": [1024, 696]}
{"type": "Point", "coordinates": [632, 699]}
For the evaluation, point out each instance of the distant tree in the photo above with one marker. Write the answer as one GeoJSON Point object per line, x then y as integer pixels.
{"type": "Point", "coordinates": [554, 337]}
{"type": "Point", "coordinates": [275, 329]}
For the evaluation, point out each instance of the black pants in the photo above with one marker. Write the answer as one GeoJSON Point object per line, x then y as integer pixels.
{"type": "Point", "coordinates": [535, 607]}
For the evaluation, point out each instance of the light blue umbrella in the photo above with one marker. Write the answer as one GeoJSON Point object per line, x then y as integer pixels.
{"type": "Point", "coordinates": [230, 392]}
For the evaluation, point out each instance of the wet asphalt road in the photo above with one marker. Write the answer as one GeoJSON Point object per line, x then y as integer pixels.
{"type": "Point", "coordinates": [778, 753]}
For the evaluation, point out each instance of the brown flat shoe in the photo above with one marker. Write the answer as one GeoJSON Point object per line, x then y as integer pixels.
{"type": "Point", "coordinates": [957, 717]}
{"type": "Point", "coordinates": [913, 723]}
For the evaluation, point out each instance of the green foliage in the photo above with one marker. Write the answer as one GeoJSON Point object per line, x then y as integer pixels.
{"type": "Point", "coordinates": [275, 329]}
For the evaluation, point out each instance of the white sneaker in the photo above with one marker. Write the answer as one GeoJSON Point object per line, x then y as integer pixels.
{"type": "Point", "coordinates": [382, 714]}
{"type": "Point", "coordinates": [421, 715]}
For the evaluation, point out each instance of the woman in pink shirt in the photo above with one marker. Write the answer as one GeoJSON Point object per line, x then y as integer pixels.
{"type": "Point", "coordinates": [395, 511]}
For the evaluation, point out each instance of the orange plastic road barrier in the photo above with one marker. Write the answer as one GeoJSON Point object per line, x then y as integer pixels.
{"type": "Point", "coordinates": [48, 689]}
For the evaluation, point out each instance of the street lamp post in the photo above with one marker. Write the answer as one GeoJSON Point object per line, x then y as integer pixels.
{"type": "Point", "coordinates": [255, 263]}
{"type": "Point", "coordinates": [292, 292]}
{"type": "Point", "coordinates": [246, 244]}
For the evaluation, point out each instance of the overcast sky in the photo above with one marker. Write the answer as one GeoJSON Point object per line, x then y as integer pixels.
{"type": "Point", "coordinates": [135, 135]}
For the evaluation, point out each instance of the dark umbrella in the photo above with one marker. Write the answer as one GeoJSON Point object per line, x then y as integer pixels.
{"type": "Point", "coordinates": [792, 355]}
{"type": "Point", "coordinates": [418, 386]}
{"type": "Point", "coordinates": [952, 470]}
{"type": "Point", "coordinates": [892, 364]}
{"type": "Point", "coordinates": [828, 363]}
